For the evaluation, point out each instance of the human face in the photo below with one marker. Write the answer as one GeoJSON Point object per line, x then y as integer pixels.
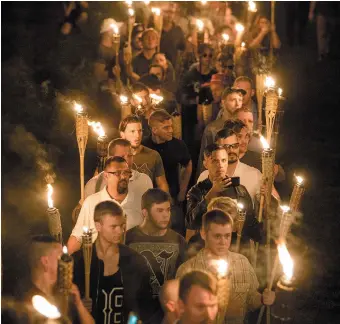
{"type": "Point", "coordinates": [137, 42]}
{"type": "Point", "coordinates": [169, 14]}
{"type": "Point", "coordinates": [243, 137]}
{"type": "Point", "coordinates": [150, 40]}
{"type": "Point", "coordinates": [264, 23]}
{"type": "Point", "coordinates": [118, 175]}
{"type": "Point", "coordinates": [200, 306]}
{"type": "Point", "coordinates": [225, 66]}
{"type": "Point", "coordinates": [247, 118]}
{"type": "Point", "coordinates": [125, 152]}
{"type": "Point", "coordinates": [216, 90]}
{"type": "Point", "coordinates": [206, 58]}
{"type": "Point", "coordinates": [232, 146]}
{"type": "Point", "coordinates": [164, 130]}
{"type": "Point", "coordinates": [111, 228]}
{"type": "Point", "coordinates": [161, 60]}
{"type": "Point", "coordinates": [217, 238]}
{"type": "Point", "coordinates": [246, 86]}
{"type": "Point", "coordinates": [232, 102]}
{"type": "Point", "coordinates": [217, 164]}
{"type": "Point", "coordinates": [159, 215]}
{"type": "Point", "coordinates": [133, 133]}
{"type": "Point", "coordinates": [157, 71]}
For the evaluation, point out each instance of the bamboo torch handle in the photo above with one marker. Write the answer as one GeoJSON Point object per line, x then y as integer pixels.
{"type": "Point", "coordinates": [261, 209]}
{"type": "Point", "coordinates": [82, 184]}
{"type": "Point", "coordinates": [87, 285]}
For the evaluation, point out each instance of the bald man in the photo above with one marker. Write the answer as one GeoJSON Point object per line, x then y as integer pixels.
{"type": "Point", "coordinates": [168, 297]}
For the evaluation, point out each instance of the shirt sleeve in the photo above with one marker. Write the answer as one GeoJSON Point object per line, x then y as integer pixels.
{"type": "Point", "coordinates": [185, 158]}
{"type": "Point", "coordinates": [254, 285]}
{"type": "Point", "coordinates": [196, 207]}
{"type": "Point", "coordinates": [159, 168]}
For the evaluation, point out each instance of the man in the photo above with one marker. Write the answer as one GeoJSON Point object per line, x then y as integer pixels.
{"type": "Point", "coordinates": [119, 279]}
{"type": "Point", "coordinates": [231, 100]}
{"type": "Point", "coordinates": [43, 261]}
{"type": "Point", "coordinates": [169, 78]}
{"type": "Point", "coordinates": [158, 71]}
{"type": "Point", "coordinates": [225, 65]}
{"type": "Point", "coordinates": [117, 174]}
{"type": "Point", "coordinates": [174, 153]}
{"type": "Point", "coordinates": [217, 184]}
{"type": "Point", "coordinates": [198, 302]}
{"type": "Point", "coordinates": [141, 62]}
{"type": "Point", "coordinates": [216, 232]}
{"type": "Point", "coordinates": [172, 39]}
{"type": "Point", "coordinates": [136, 39]}
{"type": "Point", "coordinates": [168, 297]}
{"type": "Point", "coordinates": [145, 160]}
{"type": "Point", "coordinates": [163, 248]}
{"type": "Point", "coordinates": [139, 182]}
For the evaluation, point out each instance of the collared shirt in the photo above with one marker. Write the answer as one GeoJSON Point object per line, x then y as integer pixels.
{"type": "Point", "coordinates": [250, 177]}
{"type": "Point", "coordinates": [139, 182]}
{"type": "Point", "coordinates": [131, 206]}
{"type": "Point", "coordinates": [243, 283]}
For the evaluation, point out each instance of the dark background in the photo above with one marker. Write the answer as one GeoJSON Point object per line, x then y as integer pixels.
{"type": "Point", "coordinates": [38, 138]}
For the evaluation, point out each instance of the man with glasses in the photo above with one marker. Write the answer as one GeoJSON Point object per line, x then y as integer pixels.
{"type": "Point", "coordinates": [225, 65]}
{"type": "Point", "coordinates": [117, 174]}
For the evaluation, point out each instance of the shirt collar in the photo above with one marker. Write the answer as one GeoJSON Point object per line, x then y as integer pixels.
{"type": "Point", "coordinates": [105, 196]}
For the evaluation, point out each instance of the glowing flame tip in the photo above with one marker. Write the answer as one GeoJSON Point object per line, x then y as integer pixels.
{"type": "Point", "coordinates": [240, 206]}
{"type": "Point", "coordinates": [222, 267]}
{"type": "Point", "coordinates": [49, 195]}
{"type": "Point", "coordinates": [78, 108]}
{"type": "Point", "coordinates": [285, 208]}
{"type": "Point", "coordinates": [65, 251]}
{"type": "Point", "coordinates": [252, 6]}
{"type": "Point", "coordinates": [41, 305]}
{"type": "Point", "coordinates": [239, 28]}
{"type": "Point", "coordinates": [299, 180]}
{"type": "Point", "coordinates": [115, 28]}
{"type": "Point", "coordinates": [286, 261]}
{"type": "Point", "coordinates": [131, 12]}
{"type": "Point", "coordinates": [264, 143]}
{"type": "Point", "coordinates": [225, 37]}
{"type": "Point", "coordinates": [156, 11]}
{"type": "Point", "coordinates": [200, 24]}
{"type": "Point", "coordinates": [270, 82]}
{"type": "Point", "coordinates": [243, 44]}
{"type": "Point", "coordinates": [123, 99]}
{"type": "Point", "coordinates": [98, 128]}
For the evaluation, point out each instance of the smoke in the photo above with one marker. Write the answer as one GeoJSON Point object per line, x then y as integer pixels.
{"type": "Point", "coordinates": [31, 152]}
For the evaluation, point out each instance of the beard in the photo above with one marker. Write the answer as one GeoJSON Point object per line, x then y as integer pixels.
{"type": "Point", "coordinates": [232, 158]}
{"type": "Point", "coordinates": [122, 187]}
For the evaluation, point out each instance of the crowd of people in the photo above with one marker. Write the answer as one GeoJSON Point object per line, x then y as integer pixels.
{"type": "Point", "coordinates": [164, 207]}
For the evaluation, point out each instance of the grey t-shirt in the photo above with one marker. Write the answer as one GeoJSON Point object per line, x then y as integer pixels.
{"type": "Point", "coordinates": [149, 161]}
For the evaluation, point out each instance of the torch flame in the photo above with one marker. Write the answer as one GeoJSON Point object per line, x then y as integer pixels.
{"type": "Point", "coordinates": [156, 11]}
{"type": "Point", "coordinates": [204, 2]}
{"type": "Point", "coordinates": [286, 261]}
{"type": "Point", "coordinates": [243, 44]}
{"type": "Point", "coordinates": [41, 305]}
{"type": "Point", "coordinates": [285, 208]}
{"type": "Point", "coordinates": [155, 98]}
{"type": "Point", "coordinates": [131, 12]}
{"type": "Point", "coordinates": [65, 251]}
{"type": "Point", "coordinates": [252, 6]}
{"type": "Point", "coordinates": [270, 82]}
{"type": "Point", "coordinates": [49, 196]}
{"type": "Point", "coordinates": [225, 37]}
{"type": "Point", "coordinates": [239, 28]}
{"type": "Point", "coordinates": [85, 229]}
{"type": "Point", "coordinates": [264, 143]}
{"type": "Point", "coordinates": [78, 108]}
{"type": "Point", "coordinates": [279, 91]}
{"type": "Point", "coordinates": [240, 206]}
{"type": "Point", "coordinates": [115, 28]}
{"type": "Point", "coordinates": [129, 3]}
{"type": "Point", "coordinates": [299, 180]}
{"type": "Point", "coordinates": [138, 98]}
{"type": "Point", "coordinates": [200, 24]}
{"type": "Point", "coordinates": [123, 99]}
{"type": "Point", "coordinates": [222, 267]}
{"type": "Point", "coordinates": [146, 2]}
{"type": "Point", "coordinates": [97, 127]}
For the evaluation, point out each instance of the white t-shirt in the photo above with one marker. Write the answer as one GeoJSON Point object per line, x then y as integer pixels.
{"type": "Point", "coordinates": [250, 177]}
{"type": "Point", "coordinates": [131, 206]}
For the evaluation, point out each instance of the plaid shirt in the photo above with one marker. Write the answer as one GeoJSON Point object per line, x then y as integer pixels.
{"type": "Point", "coordinates": [244, 283]}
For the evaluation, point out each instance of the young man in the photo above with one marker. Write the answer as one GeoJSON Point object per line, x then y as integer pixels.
{"type": "Point", "coordinates": [168, 298]}
{"type": "Point", "coordinates": [117, 175]}
{"type": "Point", "coordinates": [174, 153]}
{"type": "Point", "coordinates": [198, 301]}
{"type": "Point", "coordinates": [217, 184]}
{"type": "Point", "coordinates": [163, 248]}
{"type": "Point", "coordinates": [43, 261]}
{"type": "Point", "coordinates": [145, 160]}
{"type": "Point", "coordinates": [216, 232]}
{"type": "Point", "coordinates": [119, 280]}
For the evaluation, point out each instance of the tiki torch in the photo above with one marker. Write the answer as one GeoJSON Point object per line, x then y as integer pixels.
{"type": "Point", "coordinates": [250, 13]}
{"type": "Point", "coordinates": [131, 21]}
{"type": "Point", "coordinates": [155, 99]}
{"type": "Point", "coordinates": [158, 20]}
{"type": "Point", "coordinates": [239, 223]}
{"type": "Point", "coordinates": [87, 253]}
{"type": "Point", "coordinates": [54, 223]}
{"type": "Point", "coordinates": [102, 144]}
{"type": "Point", "coordinates": [200, 31]}
{"type": "Point", "coordinates": [116, 42]}
{"type": "Point", "coordinates": [239, 29]}
{"type": "Point", "coordinates": [82, 132]}
{"type": "Point", "coordinates": [297, 193]}
{"type": "Point", "coordinates": [45, 308]}
{"type": "Point", "coordinates": [126, 109]}
{"type": "Point", "coordinates": [65, 278]}
{"type": "Point", "coordinates": [260, 87]}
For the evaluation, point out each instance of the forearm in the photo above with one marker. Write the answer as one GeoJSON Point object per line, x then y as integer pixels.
{"type": "Point", "coordinates": [257, 40]}
{"type": "Point", "coordinates": [84, 315]}
{"type": "Point", "coordinates": [254, 300]}
{"type": "Point", "coordinates": [73, 245]}
{"type": "Point", "coordinates": [186, 177]}
{"type": "Point", "coordinates": [276, 40]}
{"type": "Point", "coordinates": [196, 209]}
{"type": "Point", "coordinates": [162, 184]}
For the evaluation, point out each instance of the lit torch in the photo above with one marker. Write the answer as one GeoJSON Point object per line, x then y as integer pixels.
{"type": "Point", "coordinates": [102, 144]}
{"type": "Point", "coordinates": [116, 41]}
{"type": "Point", "coordinates": [131, 21]}
{"type": "Point", "coordinates": [155, 99]}
{"type": "Point", "coordinates": [65, 278]}
{"type": "Point", "coordinates": [239, 223]}
{"type": "Point", "coordinates": [126, 109]}
{"type": "Point", "coordinates": [87, 253]}
{"type": "Point", "coordinates": [54, 223]}
{"type": "Point", "coordinates": [200, 31]}
{"type": "Point", "coordinates": [43, 307]}
{"type": "Point", "coordinates": [240, 29]}
{"type": "Point", "coordinates": [297, 193]}
{"type": "Point", "coordinates": [158, 21]}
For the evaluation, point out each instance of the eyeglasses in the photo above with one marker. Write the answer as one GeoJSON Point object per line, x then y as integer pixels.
{"type": "Point", "coordinates": [205, 55]}
{"type": "Point", "coordinates": [230, 67]}
{"type": "Point", "coordinates": [231, 146]}
{"type": "Point", "coordinates": [125, 173]}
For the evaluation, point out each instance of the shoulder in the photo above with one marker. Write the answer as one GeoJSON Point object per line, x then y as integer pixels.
{"type": "Point", "coordinates": [239, 258]}
{"type": "Point", "coordinates": [130, 234]}
{"type": "Point", "coordinates": [249, 169]}
{"type": "Point", "coordinates": [175, 236]}
{"type": "Point", "coordinates": [186, 267]}
{"type": "Point", "coordinates": [130, 256]}
{"type": "Point", "coordinates": [140, 177]}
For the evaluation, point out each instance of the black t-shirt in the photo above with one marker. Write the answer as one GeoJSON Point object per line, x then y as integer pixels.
{"type": "Point", "coordinates": [173, 153]}
{"type": "Point", "coordinates": [252, 159]}
{"type": "Point", "coordinates": [164, 254]}
{"type": "Point", "coordinates": [111, 300]}
{"type": "Point", "coordinates": [141, 64]}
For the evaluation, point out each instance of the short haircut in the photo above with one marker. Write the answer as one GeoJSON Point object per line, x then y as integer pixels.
{"type": "Point", "coordinates": [118, 141]}
{"type": "Point", "coordinates": [244, 78]}
{"type": "Point", "coordinates": [131, 119]}
{"type": "Point", "coordinates": [151, 81]}
{"type": "Point", "coordinates": [159, 115]}
{"type": "Point", "coordinates": [168, 292]}
{"type": "Point", "coordinates": [203, 47]}
{"type": "Point", "coordinates": [212, 148]}
{"type": "Point", "coordinates": [226, 204]}
{"type": "Point", "coordinates": [40, 245]}
{"type": "Point", "coordinates": [242, 109]}
{"type": "Point", "coordinates": [107, 208]}
{"type": "Point", "coordinates": [235, 125]}
{"type": "Point", "coordinates": [228, 91]}
{"type": "Point", "coordinates": [158, 53]}
{"type": "Point", "coordinates": [225, 133]}
{"type": "Point", "coordinates": [216, 216]}
{"type": "Point", "coordinates": [154, 196]}
{"type": "Point", "coordinates": [114, 159]}
{"type": "Point", "coordinates": [139, 87]}
{"type": "Point", "coordinates": [201, 279]}
{"type": "Point", "coordinates": [157, 66]}
{"type": "Point", "coordinates": [149, 30]}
